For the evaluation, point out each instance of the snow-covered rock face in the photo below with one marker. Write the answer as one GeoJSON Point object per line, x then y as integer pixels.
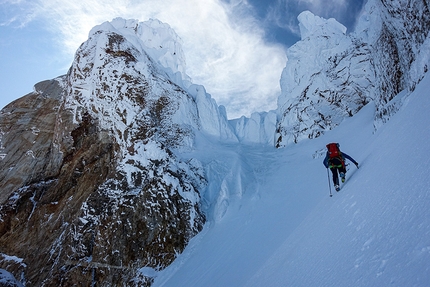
{"type": "Point", "coordinates": [96, 190]}
{"type": "Point", "coordinates": [399, 35]}
{"type": "Point", "coordinates": [330, 75]}
{"type": "Point", "coordinates": [327, 78]}
{"type": "Point", "coordinates": [157, 39]}
{"type": "Point", "coordinates": [258, 129]}
{"type": "Point", "coordinates": [115, 79]}
{"type": "Point", "coordinates": [212, 118]}
{"type": "Point", "coordinates": [8, 280]}
{"type": "Point", "coordinates": [311, 25]}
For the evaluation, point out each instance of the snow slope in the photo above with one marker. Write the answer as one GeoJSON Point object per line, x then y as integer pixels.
{"type": "Point", "coordinates": [273, 223]}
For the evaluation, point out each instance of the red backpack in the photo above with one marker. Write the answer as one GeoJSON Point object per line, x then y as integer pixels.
{"type": "Point", "coordinates": [334, 151]}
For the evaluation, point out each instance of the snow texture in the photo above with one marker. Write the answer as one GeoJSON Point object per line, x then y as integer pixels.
{"type": "Point", "coordinates": [274, 223]}
{"type": "Point", "coordinates": [8, 280]}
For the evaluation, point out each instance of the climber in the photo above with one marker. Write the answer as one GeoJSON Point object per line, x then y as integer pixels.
{"type": "Point", "coordinates": [335, 160]}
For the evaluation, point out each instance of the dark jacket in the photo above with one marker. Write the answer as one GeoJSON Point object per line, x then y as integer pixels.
{"type": "Point", "coordinates": [344, 155]}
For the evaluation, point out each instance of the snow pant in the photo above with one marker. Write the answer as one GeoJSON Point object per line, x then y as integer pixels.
{"type": "Point", "coordinates": [336, 167]}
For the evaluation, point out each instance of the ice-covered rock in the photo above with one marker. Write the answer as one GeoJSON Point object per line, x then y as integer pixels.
{"type": "Point", "coordinates": [331, 75]}
{"type": "Point", "coordinates": [8, 280]}
{"type": "Point", "coordinates": [258, 129]}
{"type": "Point", "coordinates": [213, 118]}
{"type": "Point", "coordinates": [91, 178]}
{"type": "Point", "coordinates": [328, 77]}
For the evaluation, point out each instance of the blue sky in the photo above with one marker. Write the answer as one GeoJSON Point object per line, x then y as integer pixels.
{"type": "Point", "coordinates": [235, 48]}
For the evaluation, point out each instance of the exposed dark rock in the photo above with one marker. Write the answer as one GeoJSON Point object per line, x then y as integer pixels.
{"type": "Point", "coordinates": [82, 204]}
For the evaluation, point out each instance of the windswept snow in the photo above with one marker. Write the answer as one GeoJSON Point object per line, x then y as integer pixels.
{"type": "Point", "coordinates": [274, 224]}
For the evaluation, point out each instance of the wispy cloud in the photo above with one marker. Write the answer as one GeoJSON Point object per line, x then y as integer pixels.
{"type": "Point", "coordinates": [225, 54]}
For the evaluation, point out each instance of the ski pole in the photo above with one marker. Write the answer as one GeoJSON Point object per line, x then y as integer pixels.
{"type": "Point", "coordinates": [329, 185]}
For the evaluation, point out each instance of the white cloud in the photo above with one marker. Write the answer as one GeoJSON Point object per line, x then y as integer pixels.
{"type": "Point", "coordinates": [283, 16]}
{"type": "Point", "coordinates": [325, 8]}
{"type": "Point", "coordinates": [235, 65]}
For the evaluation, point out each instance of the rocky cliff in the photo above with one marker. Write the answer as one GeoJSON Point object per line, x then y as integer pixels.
{"type": "Point", "coordinates": [92, 192]}
{"type": "Point", "coordinates": [331, 75]}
